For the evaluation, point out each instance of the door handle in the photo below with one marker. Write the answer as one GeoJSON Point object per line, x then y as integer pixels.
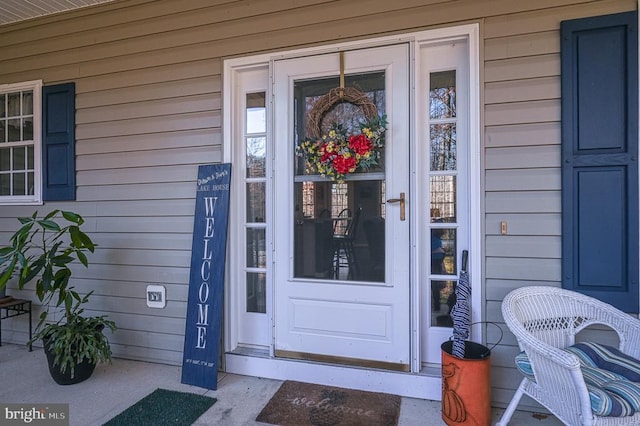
{"type": "Point", "coordinates": [402, 202]}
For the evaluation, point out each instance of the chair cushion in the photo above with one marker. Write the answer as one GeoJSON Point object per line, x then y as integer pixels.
{"type": "Point", "coordinates": [609, 395]}
{"type": "Point", "coordinates": [608, 358]}
{"type": "Point", "coordinates": [524, 365]}
{"type": "Point", "coordinates": [629, 391]}
{"type": "Point", "coordinates": [608, 404]}
{"type": "Point", "coordinates": [606, 374]}
{"type": "Point", "coordinates": [598, 376]}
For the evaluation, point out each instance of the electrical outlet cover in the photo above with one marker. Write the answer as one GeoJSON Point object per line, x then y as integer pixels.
{"type": "Point", "coordinates": [156, 296]}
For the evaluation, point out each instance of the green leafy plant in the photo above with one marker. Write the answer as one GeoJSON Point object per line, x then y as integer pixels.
{"type": "Point", "coordinates": [43, 250]}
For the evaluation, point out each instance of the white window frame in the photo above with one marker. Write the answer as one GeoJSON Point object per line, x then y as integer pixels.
{"type": "Point", "coordinates": [432, 336]}
{"type": "Point", "coordinates": [36, 198]}
{"type": "Point", "coordinates": [237, 319]}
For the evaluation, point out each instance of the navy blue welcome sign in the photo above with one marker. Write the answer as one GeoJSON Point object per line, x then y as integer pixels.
{"type": "Point", "coordinates": [206, 282]}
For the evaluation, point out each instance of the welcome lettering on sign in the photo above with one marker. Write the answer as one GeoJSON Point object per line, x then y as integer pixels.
{"type": "Point", "coordinates": [206, 283]}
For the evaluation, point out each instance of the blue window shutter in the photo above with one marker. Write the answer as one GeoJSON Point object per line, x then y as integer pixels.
{"type": "Point", "coordinates": [599, 158]}
{"type": "Point", "coordinates": [58, 142]}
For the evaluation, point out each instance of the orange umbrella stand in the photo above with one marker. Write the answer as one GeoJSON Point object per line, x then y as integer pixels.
{"type": "Point", "coordinates": [466, 385]}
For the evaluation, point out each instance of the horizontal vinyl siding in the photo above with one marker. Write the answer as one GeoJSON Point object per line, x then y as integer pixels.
{"type": "Point", "coordinates": [522, 180]}
{"type": "Point", "coordinates": [148, 81]}
{"type": "Point", "coordinates": [143, 126]}
{"type": "Point", "coordinates": [147, 113]}
{"type": "Point", "coordinates": [522, 166]}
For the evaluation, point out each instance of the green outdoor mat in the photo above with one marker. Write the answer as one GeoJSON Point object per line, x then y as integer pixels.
{"type": "Point", "coordinates": [164, 407]}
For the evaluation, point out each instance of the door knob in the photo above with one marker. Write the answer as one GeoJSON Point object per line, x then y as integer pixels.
{"type": "Point", "coordinates": [402, 202]}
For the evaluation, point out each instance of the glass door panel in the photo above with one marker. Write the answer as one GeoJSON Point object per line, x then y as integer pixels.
{"type": "Point", "coordinates": [339, 226]}
{"type": "Point", "coordinates": [442, 101]}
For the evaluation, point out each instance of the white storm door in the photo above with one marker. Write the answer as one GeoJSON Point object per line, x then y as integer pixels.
{"type": "Point", "coordinates": [329, 305]}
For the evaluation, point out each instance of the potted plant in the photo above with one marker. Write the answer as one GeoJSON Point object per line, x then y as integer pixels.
{"type": "Point", "coordinates": [43, 250]}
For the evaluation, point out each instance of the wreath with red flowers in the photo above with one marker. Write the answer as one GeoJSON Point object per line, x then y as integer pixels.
{"type": "Point", "coordinates": [337, 153]}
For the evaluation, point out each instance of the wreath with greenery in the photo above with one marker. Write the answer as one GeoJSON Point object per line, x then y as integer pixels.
{"type": "Point", "coordinates": [338, 153]}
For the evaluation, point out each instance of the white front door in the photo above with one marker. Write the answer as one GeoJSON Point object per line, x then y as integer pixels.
{"type": "Point", "coordinates": [346, 304]}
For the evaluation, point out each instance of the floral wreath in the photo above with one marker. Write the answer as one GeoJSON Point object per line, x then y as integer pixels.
{"type": "Point", "coordinates": [337, 153]}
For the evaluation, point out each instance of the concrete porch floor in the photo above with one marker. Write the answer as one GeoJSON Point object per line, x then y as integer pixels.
{"type": "Point", "coordinates": [24, 378]}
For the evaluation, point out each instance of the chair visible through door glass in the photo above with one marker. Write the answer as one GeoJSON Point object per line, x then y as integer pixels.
{"type": "Point", "coordinates": [343, 238]}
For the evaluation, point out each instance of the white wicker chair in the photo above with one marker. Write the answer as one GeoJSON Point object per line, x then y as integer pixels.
{"type": "Point", "coordinates": [545, 319]}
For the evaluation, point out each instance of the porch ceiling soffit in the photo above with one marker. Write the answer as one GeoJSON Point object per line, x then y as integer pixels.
{"type": "Point", "coordinates": [13, 11]}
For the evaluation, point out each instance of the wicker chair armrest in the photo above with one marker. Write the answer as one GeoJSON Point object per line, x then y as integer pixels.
{"type": "Point", "coordinates": [628, 329]}
{"type": "Point", "coordinates": [537, 349]}
{"type": "Point", "coordinates": [558, 372]}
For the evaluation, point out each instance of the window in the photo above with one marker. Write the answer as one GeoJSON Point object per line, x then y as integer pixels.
{"type": "Point", "coordinates": [37, 143]}
{"type": "Point", "coordinates": [255, 141]}
{"type": "Point", "coordinates": [443, 173]}
{"type": "Point", "coordinates": [20, 143]}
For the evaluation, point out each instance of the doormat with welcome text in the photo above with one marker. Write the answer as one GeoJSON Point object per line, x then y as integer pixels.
{"type": "Point", "coordinates": [302, 404]}
{"type": "Point", "coordinates": [164, 407]}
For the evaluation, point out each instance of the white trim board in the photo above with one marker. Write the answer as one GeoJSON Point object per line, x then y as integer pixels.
{"type": "Point", "coordinates": [404, 384]}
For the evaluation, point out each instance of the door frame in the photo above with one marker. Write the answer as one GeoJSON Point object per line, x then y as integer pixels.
{"type": "Point", "coordinates": [420, 382]}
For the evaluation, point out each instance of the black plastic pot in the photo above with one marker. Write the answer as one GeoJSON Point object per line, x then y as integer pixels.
{"type": "Point", "coordinates": [81, 371]}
